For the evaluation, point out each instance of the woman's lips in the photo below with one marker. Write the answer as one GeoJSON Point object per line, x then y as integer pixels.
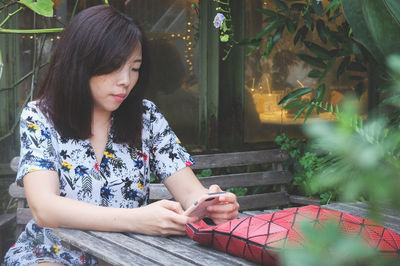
{"type": "Point", "coordinates": [119, 97]}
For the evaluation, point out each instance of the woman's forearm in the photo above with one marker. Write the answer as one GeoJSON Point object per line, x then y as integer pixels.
{"type": "Point", "coordinates": [185, 187]}
{"type": "Point", "coordinates": [59, 211]}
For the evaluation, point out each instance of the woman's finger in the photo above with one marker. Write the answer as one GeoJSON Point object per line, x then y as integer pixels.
{"type": "Point", "coordinates": [228, 197]}
{"type": "Point", "coordinates": [172, 205]}
{"type": "Point", "coordinates": [214, 188]}
{"type": "Point", "coordinates": [221, 208]}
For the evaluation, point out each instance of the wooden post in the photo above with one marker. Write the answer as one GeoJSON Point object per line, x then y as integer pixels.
{"type": "Point", "coordinates": [209, 75]}
{"type": "Point", "coordinates": [9, 45]}
{"type": "Point", "coordinates": [231, 84]}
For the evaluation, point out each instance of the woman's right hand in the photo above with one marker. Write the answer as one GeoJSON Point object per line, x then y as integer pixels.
{"type": "Point", "coordinates": [163, 218]}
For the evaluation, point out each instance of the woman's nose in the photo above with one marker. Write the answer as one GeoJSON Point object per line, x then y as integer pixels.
{"type": "Point", "coordinates": [123, 77]}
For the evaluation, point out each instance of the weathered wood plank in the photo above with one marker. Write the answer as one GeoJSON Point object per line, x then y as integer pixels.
{"type": "Point", "coordinates": [6, 219]}
{"type": "Point", "coordinates": [252, 213]}
{"type": "Point", "coordinates": [224, 259]}
{"type": "Point", "coordinates": [139, 248]}
{"type": "Point", "coordinates": [265, 200]}
{"type": "Point", "coordinates": [24, 215]}
{"type": "Point", "coordinates": [248, 179]}
{"type": "Point", "coordinates": [303, 200]}
{"type": "Point", "coordinates": [5, 169]}
{"type": "Point", "coordinates": [14, 164]}
{"type": "Point", "coordinates": [159, 191]}
{"type": "Point", "coordinates": [239, 158]}
{"type": "Point", "coordinates": [16, 192]}
{"type": "Point", "coordinates": [193, 254]}
{"type": "Point", "coordinates": [101, 249]}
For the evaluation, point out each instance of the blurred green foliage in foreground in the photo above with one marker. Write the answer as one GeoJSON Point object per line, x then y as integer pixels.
{"type": "Point", "coordinates": [361, 158]}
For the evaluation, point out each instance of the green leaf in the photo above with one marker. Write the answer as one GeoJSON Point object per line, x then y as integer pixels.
{"type": "Point", "coordinates": [308, 20]}
{"type": "Point", "coordinates": [354, 13]}
{"type": "Point", "coordinates": [320, 92]}
{"type": "Point", "coordinates": [298, 7]}
{"type": "Point", "coordinates": [315, 74]}
{"type": "Point", "coordinates": [277, 35]}
{"type": "Point", "coordinates": [331, 37]}
{"type": "Point", "coordinates": [343, 66]}
{"type": "Point", "coordinates": [273, 25]}
{"type": "Point", "coordinates": [267, 12]}
{"type": "Point", "coordinates": [269, 19]}
{"type": "Point", "coordinates": [393, 6]}
{"type": "Point", "coordinates": [206, 172]}
{"type": "Point", "coordinates": [281, 6]}
{"type": "Point", "coordinates": [328, 68]}
{"type": "Point", "coordinates": [251, 50]}
{"type": "Point", "coordinates": [334, 5]}
{"type": "Point", "coordinates": [309, 111]}
{"type": "Point", "coordinates": [321, 29]}
{"type": "Point", "coordinates": [294, 105]}
{"type": "Point", "coordinates": [331, 109]}
{"type": "Point", "coordinates": [357, 51]}
{"type": "Point", "coordinates": [41, 7]}
{"type": "Point", "coordinates": [300, 35]}
{"type": "Point", "coordinates": [295, 95]}
{"type": "Point", "coordinates": [299, 112]}
{"type": "Point", "coordinates": [337, 111]}
{"type": "Point", "coordinates": [384, 27]}
{"type": "Point", "coordinates": [268, 47]}
{"type": "Point", "coordinates": [359, 89]}
{"type": "Point", "coordinates": [318, 8]}
{"type": "Point", "coordinates": [312, 60]}
{"type": "Point", "coordinates": [224, 38]}
{"type": "Point", "coordinates": [318, 50]}
{"type": "Point", "coordinates": [290, 26]}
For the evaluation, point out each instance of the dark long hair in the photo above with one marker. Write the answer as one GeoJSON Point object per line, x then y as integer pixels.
{"type": "Point", "coordinates": [97, 41]}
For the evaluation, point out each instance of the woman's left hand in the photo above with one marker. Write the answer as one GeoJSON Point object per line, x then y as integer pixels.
{"type": "Point", "coordinates": [226, 210]}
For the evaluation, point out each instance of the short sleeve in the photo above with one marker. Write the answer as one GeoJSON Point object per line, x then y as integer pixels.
{"type": "Point", "coordinates": [37, 151]}
{"type": "Point", "coordinates": [167, 153]}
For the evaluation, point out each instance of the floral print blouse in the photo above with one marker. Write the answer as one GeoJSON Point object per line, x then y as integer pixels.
{"type": "Point", "coordinates": [121, 180]}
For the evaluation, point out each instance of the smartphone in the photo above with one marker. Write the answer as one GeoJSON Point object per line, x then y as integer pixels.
{"type": "Point", "coordinates": [199, 207]}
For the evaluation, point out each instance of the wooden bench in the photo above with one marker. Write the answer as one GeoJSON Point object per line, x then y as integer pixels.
{"type": "Point", "coordinates": [272, 174]}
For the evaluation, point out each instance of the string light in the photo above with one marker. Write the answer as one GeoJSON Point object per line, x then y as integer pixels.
{"type": "Point", "coordinates": [189, 44]}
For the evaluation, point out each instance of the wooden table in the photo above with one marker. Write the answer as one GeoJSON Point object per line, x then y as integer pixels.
{"type": "Point", "coordinates": [136, 249]}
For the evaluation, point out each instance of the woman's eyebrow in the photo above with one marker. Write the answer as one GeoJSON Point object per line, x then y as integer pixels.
{"type": "Point", "coordinates": [138, 60]}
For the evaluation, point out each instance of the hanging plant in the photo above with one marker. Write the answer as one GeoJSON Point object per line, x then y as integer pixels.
{"type": "Point", "coordinates": [223, 22]}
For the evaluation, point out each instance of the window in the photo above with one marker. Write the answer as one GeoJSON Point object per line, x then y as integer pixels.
{"type": "Point", "coordinates": [268, 80]}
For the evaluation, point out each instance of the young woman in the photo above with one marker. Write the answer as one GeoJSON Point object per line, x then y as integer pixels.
{"type": "Point", "coordinates": [90, 142]}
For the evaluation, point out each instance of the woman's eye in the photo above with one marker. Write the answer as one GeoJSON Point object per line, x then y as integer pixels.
{"type": "Point", "coordinates": [135, 69]}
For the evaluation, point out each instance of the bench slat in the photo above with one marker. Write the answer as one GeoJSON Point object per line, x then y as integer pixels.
{"type": "Point", "coordinates": [239, 158]}
{"type": "Point", "coordinates": [5, 219]}
{"type": "Point", "coordinates": [16, 191]}
{"type": "Point", "coordinates": [139, 248]}
{"type": "Point", "coordinates": [248, 179]}
{"type": "Point", "coordinates": [193, 254]}
{"type": "Point", "coordinates": [24, 215]}
{"type": "Point", "coordinates": [265, 200]}
{"type": "Point", "coordinates": [303, 200]}
{"type": "Point", "coordinates": [102, 249]}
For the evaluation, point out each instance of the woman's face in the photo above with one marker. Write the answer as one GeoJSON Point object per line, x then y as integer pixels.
{"type": "Point", "coordinates": [110, 90]}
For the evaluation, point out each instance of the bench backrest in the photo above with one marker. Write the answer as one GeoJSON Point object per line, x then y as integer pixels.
{"type": "Point", "coordinates": [272, 174]}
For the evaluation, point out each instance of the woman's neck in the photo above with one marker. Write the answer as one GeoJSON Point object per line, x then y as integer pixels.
{"type": "Point", "coordinates": [101, 119]}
